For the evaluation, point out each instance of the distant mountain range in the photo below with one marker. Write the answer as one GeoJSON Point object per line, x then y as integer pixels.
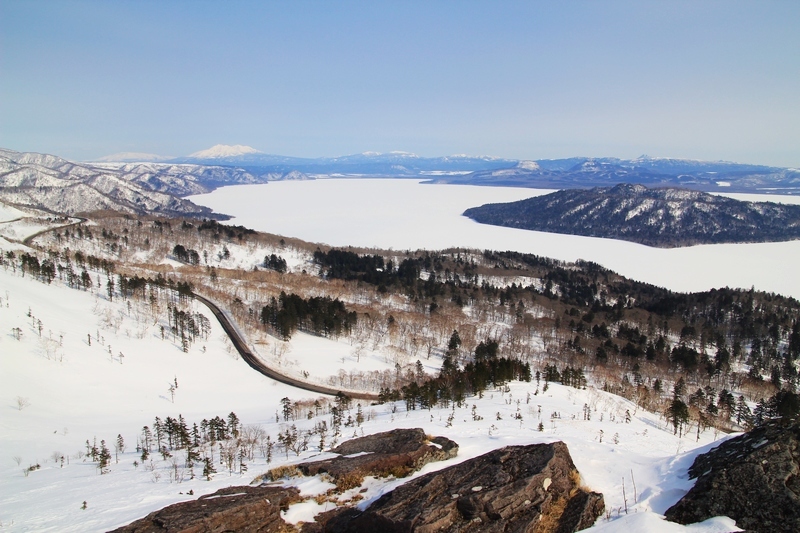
{"type": "Point", "coordinates": [575, 172]}
{"type": "Point", "coordinates": [392, 164]}
{"type": "Point", "coordinates": [661, 217]}
{"type": "Point", "coordinates": [64, 187]}
{"type": "Point", "coordinates": [593, 172]}
{"type": "Point", "coordinates": [158, 186]}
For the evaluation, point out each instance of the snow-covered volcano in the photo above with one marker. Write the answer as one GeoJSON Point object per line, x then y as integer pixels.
{"type": "Point", "coordinates": [219, 151]}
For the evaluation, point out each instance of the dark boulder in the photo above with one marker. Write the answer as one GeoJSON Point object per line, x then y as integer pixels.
{"type": "Point", "coordinates": [398, 453]}
{"type": "Point", "coordinates": [532, 488]}
{"type": "Point", "coordinates": [753, 479]}
{"type": "Point", "coordinates": [514, 489]}
{"type": "Point", "coordinates": [244, 509]}
{"type": "Point", "coordinates": [257, 509]}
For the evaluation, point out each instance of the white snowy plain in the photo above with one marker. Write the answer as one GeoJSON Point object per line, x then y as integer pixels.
{"type": "Point", "coordinates": [408, 215]}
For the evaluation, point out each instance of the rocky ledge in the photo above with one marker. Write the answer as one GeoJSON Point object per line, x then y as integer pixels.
{"type": "Point", "coordinates": [397, 453]}
{"type": "Point", "coordinates": [754, 479]}
{"type": "Point", "coordinates": [533, 488]}
{"type": "Point", "coordinates": [243, 509]}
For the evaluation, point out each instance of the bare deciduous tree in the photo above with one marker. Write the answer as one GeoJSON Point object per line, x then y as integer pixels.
{"type": "Point", "coordinates": [22, 403]}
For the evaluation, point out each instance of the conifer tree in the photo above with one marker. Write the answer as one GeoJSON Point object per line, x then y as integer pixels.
{"type": "Point", "coordinates": [103, 458]}
{"type": "Point", "coordinates": [119, 447]}
{"type": "Point", "coordinates": [208, 468]}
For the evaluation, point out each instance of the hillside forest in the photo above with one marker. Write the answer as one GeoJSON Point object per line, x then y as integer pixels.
{"type": "Point", "coordinates": [725, 358]}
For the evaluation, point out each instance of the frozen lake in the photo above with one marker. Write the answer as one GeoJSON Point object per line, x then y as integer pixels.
{"type": "Point", "coordinates": [405, 214]}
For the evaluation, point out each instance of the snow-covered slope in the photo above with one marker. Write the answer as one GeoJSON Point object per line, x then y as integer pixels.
{"type": "Point", "coordinates": [76, 365]}
{"type": "Point", "coordinates": [657, 217]}
{"type": "Point", "coordinates": [61, 186]}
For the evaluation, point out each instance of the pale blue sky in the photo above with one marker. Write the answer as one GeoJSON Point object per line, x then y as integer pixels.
{"type": "Point", "coordinates": [526, 80]}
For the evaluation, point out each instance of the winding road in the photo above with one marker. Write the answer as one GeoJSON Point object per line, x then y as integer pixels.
{"type": "Point", "coordinates": [249, 357]}
{"type": "Point", "coordinates": [257, 365]}
{"type": "Point", "coordinates": [27, 240]}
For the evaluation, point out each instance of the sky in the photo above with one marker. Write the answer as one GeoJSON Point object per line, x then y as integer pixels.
{"type": "Point", "coordinates": [714, 80]}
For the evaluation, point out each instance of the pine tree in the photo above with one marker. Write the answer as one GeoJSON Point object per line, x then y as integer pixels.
{"type": "Point", "coordinates": [119, 447]}
{"type": "Point", "coordinates": [192, 456]}
{"type": "Point", "coordinates": [270, 445]}
{"type": "Point", "coordinates": [158, 427]}
{"type": "Point", "coordinates": [359, 415]}
{"type": "Point", "coordinates": [233, 425]}
{"type": "Point", "coordinates": [103, 458]}
{"type": "Point", "coordinates": [678, 413]}
{"type": "Point", "coordinates": [454, 343]}
{"type": "Point", "coordinates": [286, 404]}
{"type": "Point", "coordinates": [242, 464]}
{"type": "Point", "coordinates": [743, 414]}
{"type": "Point", "coordinates": [208, 468]}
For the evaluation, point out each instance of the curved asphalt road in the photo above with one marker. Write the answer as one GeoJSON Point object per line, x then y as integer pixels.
{"type": "Point", "coordinates": [257, 365]}
{"type": "Point", "coordinates": [250, 358]}
{"type": "Point", "coordinates": [27, 240]}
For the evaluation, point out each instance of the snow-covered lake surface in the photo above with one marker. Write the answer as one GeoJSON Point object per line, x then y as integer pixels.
{"type": "Point", "coordinates": [406, 214]}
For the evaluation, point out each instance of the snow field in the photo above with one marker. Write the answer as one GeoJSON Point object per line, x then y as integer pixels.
{"type": "Point", "coordinates": [8, 212]}
{"type": "Point", "coordinates": [76, 392]}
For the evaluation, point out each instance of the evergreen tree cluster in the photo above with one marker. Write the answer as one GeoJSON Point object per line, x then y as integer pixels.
{"type": "Point", "coordinates": [455, 385]}
{"type": "Point", "coordinates": [275, 262]}
{"type": "Point", "coordinates": [349, 266]}
{"type": "Point", "coordinates": [188, 326]}
{"type": "Point", "coordinates": [320, 315]}
{"type": "Point", "coordinates": [135, 286]}
{"type": "Point", "coordinates": [58, 264]}
{"type": "Point", "coordinates": [784, 405]}
{"type": "Point", "coordinates": [186, 255]}
{"type": "Point", "coordinates": [44, 271]}
{"type": "Point", "coordinates": [231, 231]}
{"type": "Point", "coordinates": [572, 377]}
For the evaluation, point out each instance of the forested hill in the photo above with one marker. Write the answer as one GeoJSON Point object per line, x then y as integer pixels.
{"type": "Point", "coordinates": [666, 218]}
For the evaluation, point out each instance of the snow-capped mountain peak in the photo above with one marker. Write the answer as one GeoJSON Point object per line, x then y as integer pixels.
{"type": "Point", "coordinates": [224, 150]}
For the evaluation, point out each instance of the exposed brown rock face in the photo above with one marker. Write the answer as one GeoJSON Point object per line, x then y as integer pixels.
{"type": "Point", "coordinates": [257, 509]}
{"type": "Point", "coordinates": [244, 509]}
{"type": "Point", "coordinates": [515, 489]}
{"type": "Point", "coordinates": [754, 479]}
{"type": "Point", "coordinates": [398, 452]}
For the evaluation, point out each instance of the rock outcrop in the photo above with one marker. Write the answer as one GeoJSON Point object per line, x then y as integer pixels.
{"type": "Point", "coordinates": [754, 479]}
{"type": "Point", "coordinates": [398, 453]}
{"type": "Point", "coordinates": [242, 509]}
{"type": "Point", "coordinates": [257, 509]}
{"type": "Point", "coordinates": [519, 488]}
{"type": "Point", "coordinates": [532, 488]}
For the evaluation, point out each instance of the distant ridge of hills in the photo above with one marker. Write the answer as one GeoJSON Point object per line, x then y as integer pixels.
{"type": "Point", "coordinates": [60, 186]}
{"type": "Point", "coordinates": [660, 217]}
{"type": "Point", "coordinates": [582, 172]}
{"type": "Point", "coordinates": [575, 172]}
{"type": "Point", "coordinates": [54, 184]}
{"type": "Point", "coordinates": [146, 187]}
